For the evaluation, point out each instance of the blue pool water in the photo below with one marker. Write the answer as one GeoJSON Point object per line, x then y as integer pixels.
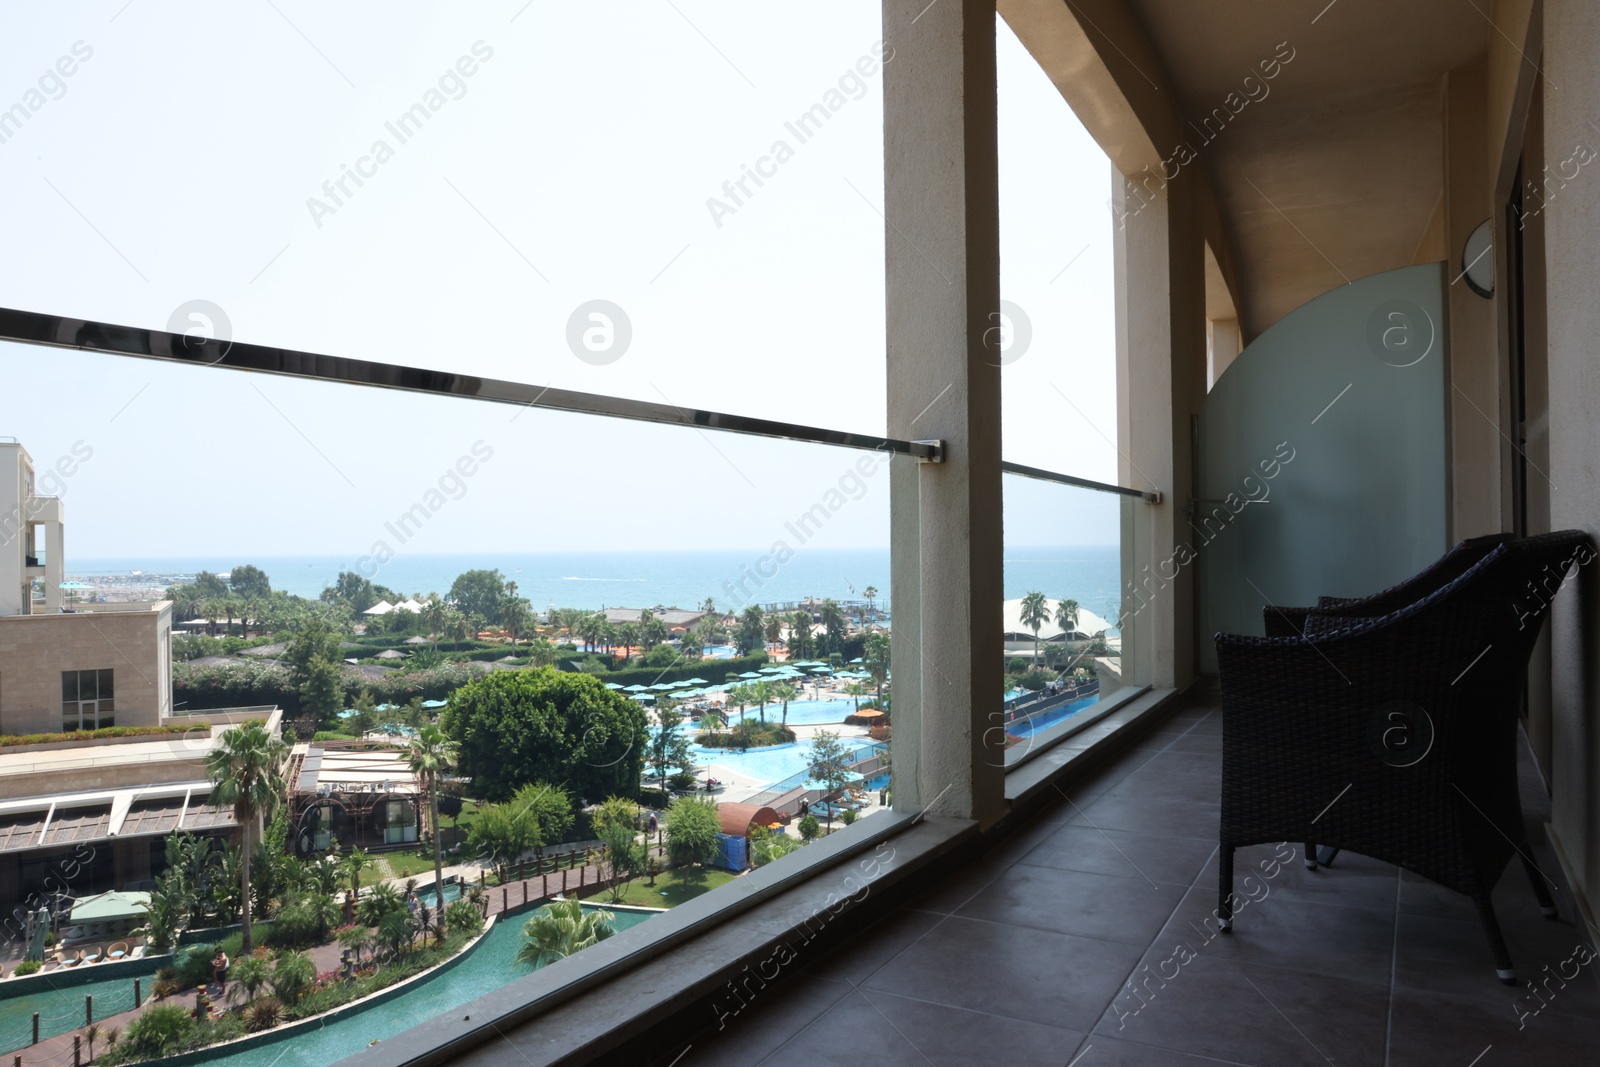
{"type": "Point", "coordinates": [488, 968]}
{"type": "Point", "coordinates": [770, 764]}
{"type": "Point", "coordinates": [1050, 718]}
{"type": "Point", "coordinates": [61, 1010]}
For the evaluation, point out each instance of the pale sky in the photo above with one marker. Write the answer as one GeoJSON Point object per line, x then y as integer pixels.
{"type": "Point", "coordinates": [573, 163]}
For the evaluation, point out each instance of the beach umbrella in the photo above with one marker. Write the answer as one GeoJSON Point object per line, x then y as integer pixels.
{"type": "Point", "coordinates": [435, 703]}
{"type": "Point", "coordinates": [661, 687]}
{"type": "Point", "coordinates": [644, 698]}
{"type": "Point", "coordinates": [750, 674]}
{"type": "Point", "coordinates": [613, 685]}
{"type": "Point", "coordinates": [856, 660]}
{"type": "Point", "coordinates": [635, 688]}
{"type": "Point", "coordinates": [348, 713]}
{"type": "Point", "coordinates": [699, 681]}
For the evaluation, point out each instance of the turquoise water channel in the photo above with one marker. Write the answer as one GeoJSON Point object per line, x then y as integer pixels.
{"type": "Point", "coordinates": [61, 1008]}
{"type": "Point", "coordinates": [490, 966]}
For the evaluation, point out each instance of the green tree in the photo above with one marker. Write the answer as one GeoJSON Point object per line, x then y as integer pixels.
{"type": "Point", "coordinates": [250, 581]}
{"type": "Point", "coordinates": [782, 693]}
{"type": "Point", "coordinates": [774, 628]}
{"type": "Point", "coordinates": [514, 615]}
{"type": "Point", "coordinates": [830, 763]}
{"type": "Point", "coordinates": [770, 847]}
{"type": "Point", "coordinates": [668, 748]}
{"type": "Point", "coordinates": [871, 593]}
{"type": "Point", "coordinates": [625, 857]}
{"type": "Point", "coordinates": [1067, 615]}
{"type": "Point", "coordinates": [740, 696]}
{"type": "Point", "coordinates": [692, 828]}
{"type": "Point", "coordinates": [431, 756]}
{"type": "Point", "coordinates": [858, 690]}
{"type": "Point", "coordinates": [516, 727]}
{"type": "Point", "coordinates": [801, 640]}
{"type": "Point", "coordinates": [352, 589]}
{"type": "Point", "coordinates": [752, 632]}
{"type": "Point", "coordinates": [210, 585]}
{"type": "Point", "coordinates": [293, 976]}
{"type": "Point", "coordinates": [561, 928]}
{"type": "Point", "coordinates": [246, 770]}
{"type": "Point", "coordinates": [615, 811]}
{"type": "Point", "coordinates": [479, 592]}
{"type": "Point", "coordinates": [761, 696]}
{"type": "Point", "coordinates": [537, 815]}
{"type": "Point", "coordinates": [1035, 613]}
{"type": "Point", "coordinates": [833, 627]}
{"type": "Point", "coordinates": [628, 638]}
{"type": "Point", "coordinates": [315, 670]}
{"type": "Point", "coordinates": [810, 828]}
{"type": "Point", "coordinates": [434, 613]}
{"type": "Point", "coordinates": [877, 650]}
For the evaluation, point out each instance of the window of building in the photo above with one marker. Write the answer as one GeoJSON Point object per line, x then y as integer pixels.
{"type": "Point", "coordinates": [88, 699]}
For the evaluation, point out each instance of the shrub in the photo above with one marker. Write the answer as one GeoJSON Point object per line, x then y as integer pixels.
{"type": "Point", "coordinates": [333, 735]}
{"type": "Point", "coordinates": [7, 740]}
{"type": "Point", "coordinates": [771, 847]}
{"type": "Point", "coordinates": [293, 976]}
{"type": "Point", "coordinates": [160, 1032]}
{"type": "Point", "coordinates": [682, 781]}
{"type": "Point", "coordinates": [810, 828]}
{"type": "Point", "coordinates": [692, 828]}
{"type": "Point", "coordinates": [1016, 665]}
{"type": "Point", "coordinates": [264, 1014]}
{"type": "Point", "coordinates": [462, 915]}
{"type": "Point", "coordinates": [49, 939]}
{"type": "Point", "coordinates": [847, 816]}
{"type": "Point", "coordinates": [193, 965]}
{"type": "Point", "coordinates": [27, 967]}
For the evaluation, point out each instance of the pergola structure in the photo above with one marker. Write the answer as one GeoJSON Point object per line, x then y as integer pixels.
{"type": "Point", "coordinates": [360, 793]}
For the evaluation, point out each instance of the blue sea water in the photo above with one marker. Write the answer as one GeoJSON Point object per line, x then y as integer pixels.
{"type": "Point", "coordinates": [593, 580]}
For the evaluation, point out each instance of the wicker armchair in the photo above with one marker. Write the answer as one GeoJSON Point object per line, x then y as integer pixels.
{"type": "Point", "coordinates": [1359, 736]}
{"type": "Point", "coordinates": [1283, 621]}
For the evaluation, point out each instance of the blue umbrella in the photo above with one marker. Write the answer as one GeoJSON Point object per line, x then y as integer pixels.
{"type": "Point", "coordinates": [613, 685]}
{"type": "Point", "coordinates": [635, 688]}
{"type": "Point", "coordinates": [435, 703]}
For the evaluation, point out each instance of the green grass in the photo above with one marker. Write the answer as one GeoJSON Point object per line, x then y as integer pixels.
{"type": "Point", "coordinates": [679, 885]}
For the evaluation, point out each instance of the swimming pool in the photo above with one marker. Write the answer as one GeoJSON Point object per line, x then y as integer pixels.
{"type": "Point", "coordinates": [1050, 718]}
{"type": "Point", "coordinates": [61, 1008]}
{"type": "Point", "coordinates": [489, 967]}
{"type": "Point", "coordinates": [766, 765]}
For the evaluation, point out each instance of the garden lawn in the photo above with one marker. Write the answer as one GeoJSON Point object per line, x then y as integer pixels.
{"type": "Point", "coordinates": [678, 885]}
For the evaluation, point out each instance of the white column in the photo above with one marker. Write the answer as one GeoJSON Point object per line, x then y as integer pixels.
{"type": "Point", "coordinates": [943, 276]}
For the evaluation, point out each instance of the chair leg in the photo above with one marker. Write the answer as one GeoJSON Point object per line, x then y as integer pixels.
{"type": "Point", "coordinates": [1311, 855]}
{"type": "Point", "coordinates": [1541, 890]}
{"type": "Point", "coordinates": [1326, 855]}
{"type": "Point", "coordinates": [1225, 888]}
{"type": "Point", "coordinates": [1497, 941]}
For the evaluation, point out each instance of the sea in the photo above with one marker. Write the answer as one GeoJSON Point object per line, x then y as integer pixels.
{"type": "Point", "coordinates": [684, 579]}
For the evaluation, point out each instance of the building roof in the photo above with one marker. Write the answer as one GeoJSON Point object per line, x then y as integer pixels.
{"type": "Point", "coordinates": [108, 814]}
{"type": "Point", "coordinates": [1089, 623]}
{"type": "Point", "coordinates": [383, 607]}
{"type": "Point", "coordinates": [673, 617]}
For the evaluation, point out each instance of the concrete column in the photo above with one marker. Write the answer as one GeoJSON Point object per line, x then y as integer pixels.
{"type": "Point", "coordinates": [55, 564]}
{"type": "Point", "coordinates": [1224, 348]}
{"type": "Point", "coordinates": [943, 277]}
{"type": "Point", "coordinates": [1161, 372]}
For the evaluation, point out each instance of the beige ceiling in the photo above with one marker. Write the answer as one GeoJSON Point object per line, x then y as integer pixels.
{"type": "Point", "coordinates": [1335, 173]}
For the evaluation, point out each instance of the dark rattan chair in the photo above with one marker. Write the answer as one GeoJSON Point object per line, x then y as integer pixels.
{"type": "Point", "coordinates": [1284, 621]}
{"type": "Point", "coordinates": [1396, 736]}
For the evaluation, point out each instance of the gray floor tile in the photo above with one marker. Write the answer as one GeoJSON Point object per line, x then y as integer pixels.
{"type": "Point", "coordinates": [1430, 1028]}
{"type": "Point", "coordinates": [1076, 902]}
{"type": "Point", "coordinates": [1098, 1050]}
{"type": "Point", "coordinates": [854, 963]}
{"type": "Point", "coordinates": [1013, 971]}
{"type": "Point", "coordinates": [1158, 857]}
{"type": "Point", "coordinates": [768, 1020]}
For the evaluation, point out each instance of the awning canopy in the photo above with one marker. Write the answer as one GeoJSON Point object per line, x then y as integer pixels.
{"type": "Point", "coordinates": [110, 907]}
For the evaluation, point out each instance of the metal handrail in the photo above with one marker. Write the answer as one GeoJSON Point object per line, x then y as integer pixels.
{"type": "Point", "coordinates": [31, 327]}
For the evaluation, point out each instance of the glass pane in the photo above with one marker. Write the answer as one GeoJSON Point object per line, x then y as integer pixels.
{"type": "Point", "coordinates": [88, 685]}
{"type": "Point", "coordinates": [106, 688]}
{"type": "Point", "coordinates": [107, 709]}
{"type": "Point", "coordinates": [762, 209]}
{"type": "Point", "coordinates": [69, 716]}
{"type": "Point", "coordinates": [1065, 627]}
{"type": "Point", "coordinates": [69, 685]}
{"type": "Point", "coordinates": [1057, 279]}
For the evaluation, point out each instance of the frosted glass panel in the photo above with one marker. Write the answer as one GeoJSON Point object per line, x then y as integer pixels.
{"type": "Point", "coordinates": [1322, 454]}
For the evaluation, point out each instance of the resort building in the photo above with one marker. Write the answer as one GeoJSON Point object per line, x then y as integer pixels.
{"type": "Point", "coordinates": [1019, 636]}
{"type": "Point", "coordinates": [65, 667]}
{"type": "Point", "coordinates": [361, 793]}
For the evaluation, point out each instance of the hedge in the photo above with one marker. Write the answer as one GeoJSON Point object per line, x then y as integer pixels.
{"type": "Point", "coordinates": [93, 735]}
{"type": "Point", "coordinates": [247, 683]}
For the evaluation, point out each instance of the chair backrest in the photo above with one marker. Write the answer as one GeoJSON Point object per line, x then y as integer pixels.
{"type": "Point", "coordinates": [1446, 569]}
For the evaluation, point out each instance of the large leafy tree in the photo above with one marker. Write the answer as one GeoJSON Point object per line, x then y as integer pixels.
{"type": "Point", "coordinates": [1035, 613]}
{"type": "Point", "coordinates": [538, 814]}
{"type": "Point", "coordinates": [877, 656]}
{"type": "Point", "coordinates": [561, 928]}
{"type": "Point", "coordinates": [830, 763]}
{"type": "Point", "coordinates": [692, 828]}
{"type": "Point", "coordinates": [431, 756]}
{"type": "Point", "coordinates": [833, 627]}
{"type": "Point", "coordinates": [668, 748]}
{"type": "Point", "coordinates": [314, 667]}
{"type": "Point", "coordinates": [752, 632]}
{"type": "Point", "coordinates": [210, 585]}
{"type": "Point", "coordinates": [479, 592]}
{"type": "Point", "coordinates": [539, 725]}
{"type": "Point", "coordinates": [250, 581]}
{"type": "Point", "coordinates": [246, 771]}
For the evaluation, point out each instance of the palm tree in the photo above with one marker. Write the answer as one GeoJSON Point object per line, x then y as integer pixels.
{"type": "Point", "coordinates": [435, 613]}
{"type": "Point", "coordinates": [561, 928]}
{"type": "Point", "coordinates": [833, 626]}
{"type": "Point", "coordinates": [710, 722]}
{"type": "Point", "coordinates": [774, 632]}
{"type": "Point", "coordinates": [871, 593]}
{"type": "Point", "coordinates": [877, 656]}
{"type": "Point", "coordinates": [1035, 613]}
{"type": "Point", "coordinates": [350, 869]}
{"type": "Point", "coordinates": [456, 625]}
{"type": "Point", "coordinates": [782, 693]}
{"type": "Point", "coordinates": [628, 638]}
{"type": "Point", "coordinates": [246, 771]}
{"type": "Point", "coordinates": [431, 755]}
{"type": "Point", "coordinates": [858, 690]}
{"type": "Point", "coordinates": [761, 693]}
{"type": "Point", "coordinates": [740, 695]}
{"type": "Point", "coordinates": [1067, 615]}
{"type": "Point", "coordinates": [514, 615]}
{"type": "Point", "coordinates": [800, 640]}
